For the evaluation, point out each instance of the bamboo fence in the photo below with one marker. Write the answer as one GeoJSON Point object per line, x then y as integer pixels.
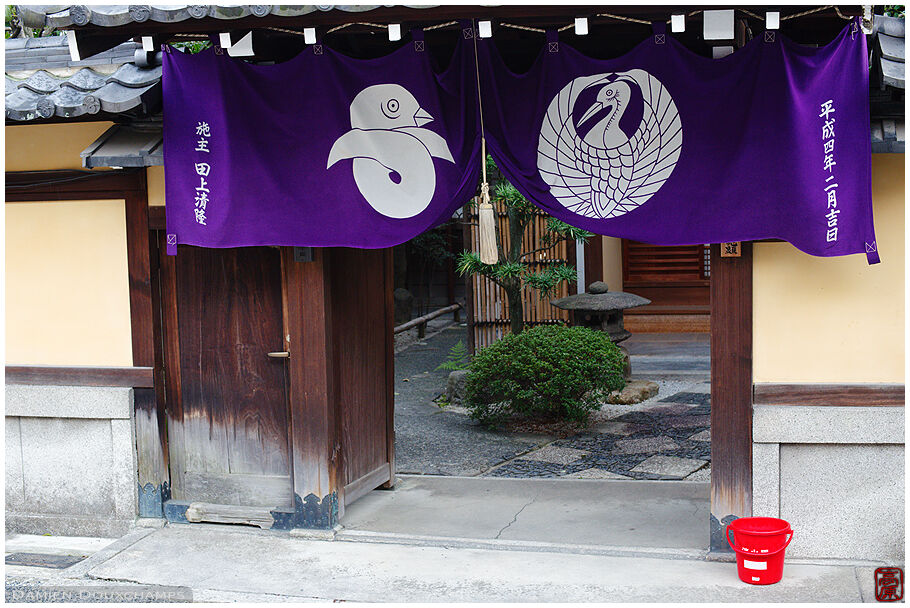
{"type": "Point", "coordinates": [489, 319]}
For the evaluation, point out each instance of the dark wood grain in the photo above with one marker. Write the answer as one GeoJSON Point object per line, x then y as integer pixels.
{"type": "Point", "coordinates": [360, 336]}
{"type": "Point", "coordinates": [61, 375]}
{"type": "Point", "coordinates": [731, 390]}
{"type": "Point", "coordinates": [390, 365]}
{"type": "Point", "coordinates": [315, 440]}
{"type": "Point", "coordinates": [170, 338]}
{"type": "Point", "coordinates": [157, 217]}
{"type": "Point", "coordinates": [594, 260]}
{"type": "Point", "coordinates": [151, 443]}
{"type": "Point", "coordinates": [234, 396]}
{"type": "Point", "coordinates": [534, 14]}
{"type": "Point", "coordinates": [829, 394]}
{"type": "Point", "coordinates": [71, 185]}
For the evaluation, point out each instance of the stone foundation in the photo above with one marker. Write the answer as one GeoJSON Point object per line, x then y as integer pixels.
{"type": "Point", "coordinates": [70, 460]}
{"type": "Point", "coordinates": [836, 474]}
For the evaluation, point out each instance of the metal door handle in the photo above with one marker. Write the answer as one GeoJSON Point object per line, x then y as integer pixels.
{"type": "Point", "coordinates": [282, 354]}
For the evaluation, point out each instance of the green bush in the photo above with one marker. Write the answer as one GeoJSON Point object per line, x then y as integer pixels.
{"type": "Point", "coordinates": [549, 370]}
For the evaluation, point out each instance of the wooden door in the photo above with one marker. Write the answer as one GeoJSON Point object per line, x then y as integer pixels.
{"type": "Point", "coordinates": [227, 398]}
{"type": "Point", "coordinates": [362, 338]}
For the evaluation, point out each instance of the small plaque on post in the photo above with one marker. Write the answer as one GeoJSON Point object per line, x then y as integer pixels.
{"type": "Point", "coordinates": [731, 250]}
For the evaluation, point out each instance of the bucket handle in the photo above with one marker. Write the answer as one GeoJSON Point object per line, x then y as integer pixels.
{"type": "Point", "coordinates": [732, 542]}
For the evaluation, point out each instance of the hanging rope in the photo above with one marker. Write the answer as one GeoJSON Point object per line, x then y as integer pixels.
{"type": "Point", "coordinates": [440, 25]}
{"type": "Point", "coordinates": [487, 220]}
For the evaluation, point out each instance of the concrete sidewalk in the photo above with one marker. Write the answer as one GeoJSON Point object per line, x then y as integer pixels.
{"type": "Point", "coordinates": [454, 539]}
{"type": "Point", "coordinates": [584, 515]}
{"type": "Point", "coordinates": [212, 558]}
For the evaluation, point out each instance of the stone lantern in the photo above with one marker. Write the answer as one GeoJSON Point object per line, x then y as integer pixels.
{"type": "Point", "coordinates": [601, 309]}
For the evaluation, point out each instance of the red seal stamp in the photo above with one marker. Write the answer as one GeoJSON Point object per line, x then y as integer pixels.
{"type": "Point", "coordinates": [889, 584]}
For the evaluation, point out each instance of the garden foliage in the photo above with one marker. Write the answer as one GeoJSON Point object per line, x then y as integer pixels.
{"type": "Point", "coordinates": [549, 370]}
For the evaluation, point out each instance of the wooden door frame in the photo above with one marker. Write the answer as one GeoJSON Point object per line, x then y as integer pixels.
{"type": "Point", "coordinates": [731, 391]}
{"type": "Point", "coordinates": [315, 431]}
{"type": "Point", "coordinates": [131, 186]}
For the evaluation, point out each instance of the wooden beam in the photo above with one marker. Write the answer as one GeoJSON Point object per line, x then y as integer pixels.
{"type": "Point", "coordinates": [151, 443]}
{"type": "Point", "coordinates": [171, 359]}
{"type": "Point", "coordinates": [885, 395]}
{"type": "Point", "coordinates": [537, 14]}
{"type": "Point", "coordinates": [594, 260]}
{"type": "Point", "coordinates": [390, 364]}
{"type": "Point", "coordinates": [66, 375]}
{"type": "Point", "coordinates": [157, 218]}
{"type": "Point", "coordinates": [731, 391]}
{"type": "Point", "coordinates": [315, 446]}
{"type": "Point", "coordinates": [24, 186]}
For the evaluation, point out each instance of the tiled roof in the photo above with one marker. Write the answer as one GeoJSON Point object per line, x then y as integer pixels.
{"type": "Point", "coordinates": [42, 82]}
{"type": "Point", "coordinates": [68, 15]}
{"type": "Point", "coordinates": [888, 50]}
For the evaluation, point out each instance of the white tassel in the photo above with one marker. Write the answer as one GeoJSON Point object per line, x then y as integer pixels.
{"type": "Point", "coordinates": [488, 251]}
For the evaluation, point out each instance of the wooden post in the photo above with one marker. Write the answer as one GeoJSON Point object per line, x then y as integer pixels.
{"type": "Point", "coordinates": [315, 440]}
{"type": "Point", "coordinates": [390, 367]}
{"type": "Point", "coordinates": [731, 391]}
{"type": "Point", "coordinates": [151, 450]}
{"type": "Point", "coordinates": [594, 260]}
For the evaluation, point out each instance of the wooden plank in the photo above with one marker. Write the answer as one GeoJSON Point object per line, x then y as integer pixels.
{"type": "Point", "coordinates": [234, 396]}
{"type": "Point", "coordinates": [668, 323]}
{"type": "Point", "coordinates": [171, 348]}
{"type": "Point", "coordinates": [230, 514]}
{"type": "Point", "coordinates": [22, 186]}
{"type": "Point", "coordinates": [315, 443]}
{"type": "Point", "coordinates": [151, 443]}
{"type": "Point", "coordinates": [65, 375]}
{"type": "Point", "coordinates": [367, 483]}
{"type": "Point", "coordinates": [390, 366]}
{"type": "Point", "coordinates": [885, 395]}
{"type": "Point", "coordinates": [239, 489]}
{"type": "Point", "coordinates": [157, 218]}
{"type": "Point", "coordinates": [360, 342]}
{"type": "Point", "coordinates": [731, 391]}
{"type": "Point", "coordinates": [552, 14]}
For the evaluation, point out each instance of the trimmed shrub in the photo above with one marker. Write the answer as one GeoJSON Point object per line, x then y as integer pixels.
{"type": "Point", "coordinates": [549, 371]}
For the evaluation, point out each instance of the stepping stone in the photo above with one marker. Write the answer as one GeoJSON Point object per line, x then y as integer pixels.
{"type": "Point", "coordinates": [556, 454]}
{"type": "Point", "coordinates": [689, 397]}
{"type": "Point", "coordinates": [688, 421]}
{"type": "Point", "coordinates": [645, 444]}
{"type": "Point", "coordinates": [669, 466]}
{"type": "Point", "coordinates": [595, 473]}
{"type": "Point", "coordinates": [705, 435]}
{"type": "Point", "coordinates": [668, 410]}
{"type": "Point", "coordinates": [618, 428]}
{"type": "Point", "coordinates": [701, 475]}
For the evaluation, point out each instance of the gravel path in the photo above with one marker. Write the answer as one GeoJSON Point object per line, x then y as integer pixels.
{"type": "Point", "coordinates": [434, 441]}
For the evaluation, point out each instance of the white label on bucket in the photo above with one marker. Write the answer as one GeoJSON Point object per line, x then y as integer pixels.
{"type": "Point", "coordinates": [755, 565]}
{"type": "Point", "coordinates": [756, 579]}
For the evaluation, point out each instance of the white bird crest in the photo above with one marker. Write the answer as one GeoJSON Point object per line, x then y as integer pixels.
{"type": "Point", "coordinates": [609, 171]}
{"type": "Point", "coordinates": [393, 154]}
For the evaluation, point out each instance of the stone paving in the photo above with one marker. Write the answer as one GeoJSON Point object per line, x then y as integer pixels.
{"type": "Point", "coordinates": [665, 437]}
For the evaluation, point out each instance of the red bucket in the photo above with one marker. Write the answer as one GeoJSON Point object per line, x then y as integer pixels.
{"type": "Point", "coordinates": [759, 543]}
